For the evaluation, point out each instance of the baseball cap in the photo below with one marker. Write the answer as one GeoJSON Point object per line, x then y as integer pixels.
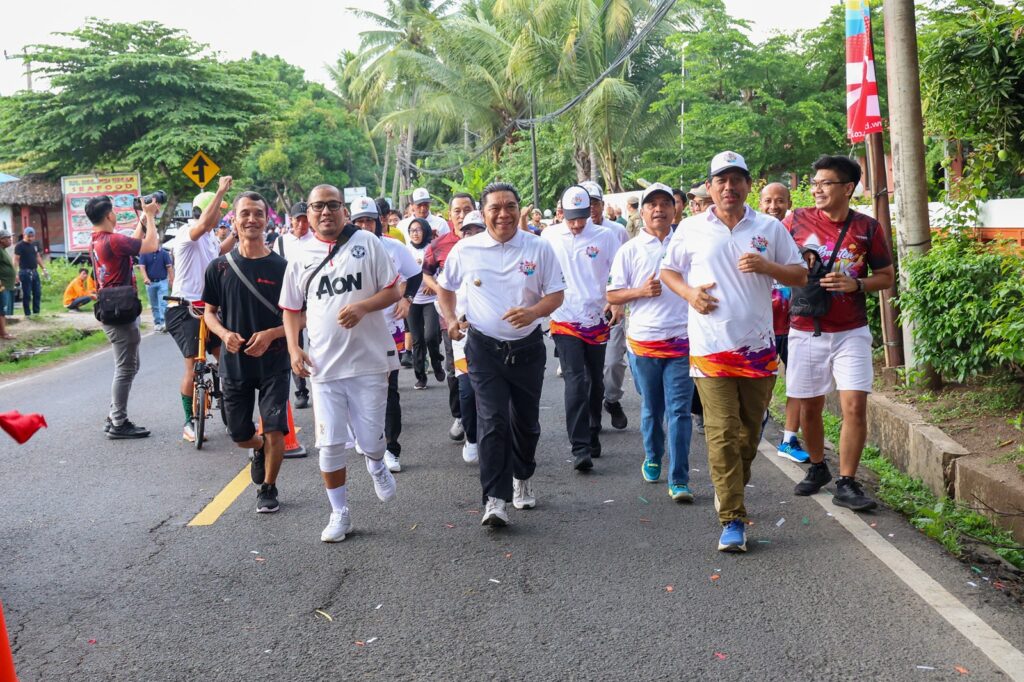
{"type": "Point", "coordinates": [575, 202]}
{"type": "Point", "coordinates": [420, 195]}
{"type": "Point", "coordinates": [593, 189]}
{"type": "Point", "coordinates": [204, 199]}
{"type": "Point", "coordinates": [473, 219]}
{"type": "Point", "coordinates": [726, 161]}
{"type": "Point", "coordinates": [4, 233]}
{"type": "Point", "coordinates": [29, 230]}
{"type": "Point", "coordinates": [633, 201]}
{"type": "Point", "coordinates": [363, 207]}
{"type": "Point", "coordinates": [698, 191]}
{"type": "Point", "coordinates": [653, 189]}
{"type": "Point", "coordinates": [297, 209]}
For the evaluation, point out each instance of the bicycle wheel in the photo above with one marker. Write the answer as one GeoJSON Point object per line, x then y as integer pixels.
{"type": "Point", "coordinates": [199, 403]}
{"type": "Point", "coordinates": [217, 394]}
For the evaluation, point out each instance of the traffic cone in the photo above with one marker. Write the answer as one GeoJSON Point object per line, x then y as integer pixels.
{"type": "Point", "coordinates": [7, 673]}
{"type": "Point", "coordinates": [293, 449]}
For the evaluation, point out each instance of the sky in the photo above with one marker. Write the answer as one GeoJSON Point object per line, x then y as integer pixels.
{"type": "Point", "coordinates": [306, 33]}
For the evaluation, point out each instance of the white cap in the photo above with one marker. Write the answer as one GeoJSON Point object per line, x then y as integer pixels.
{"type": "Point", "coordinates": [810, 245]}
{"type": "Point", "coordinates": [473, 218]}
{"type": "Point", "coordinates": [575, 202]}
{"type": "Point", "coordinates": [727, 161]}
{"type": "Point", "coordinates": [593, 189]}
{"type": "Point", "coordinates": [654, 189]}
{"type": "Point", "coordinates": [420, 195]}
{"type": "Point", "coordinates": [363, 207]}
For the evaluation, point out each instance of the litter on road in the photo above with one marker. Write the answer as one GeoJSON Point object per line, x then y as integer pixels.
{"type": "Point", "coordinates": [497, 582]}
{"type": "Point", "coordinates": [326, 615]}
{"type": "Point", "coordinates": [781, 521]}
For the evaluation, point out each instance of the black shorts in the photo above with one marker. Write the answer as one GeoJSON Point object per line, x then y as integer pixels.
{"type": "Point", "coordinates": [240, 399]}
{"type": "Point", "coordinates": [782, 348]}
{"type": "Point", "coordinates": [184, 329]}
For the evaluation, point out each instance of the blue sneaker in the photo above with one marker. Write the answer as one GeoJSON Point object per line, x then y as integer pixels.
{"type": "Point", "coordinates": [792, 450]}
{"type": "Point", "coordinates": [651, 470]}
{"type": "Point", "coordinates": [680, 493]}
{"type": "Point", "coordinates": [734, 537]}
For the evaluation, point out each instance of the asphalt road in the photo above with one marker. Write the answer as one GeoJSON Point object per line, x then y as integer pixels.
{"type": "Point", "coordinates": [607, 579]}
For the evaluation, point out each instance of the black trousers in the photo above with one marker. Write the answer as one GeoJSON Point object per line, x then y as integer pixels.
{"type": "Point", "coordinates": [300, 382]}
{"type": "Point", "coordinates": [454, 401]}
{"type": "Point", "coordinates": [508, 378]}
{"type": "Point", "coordinates": [425, 328]}
{"type": "Point", "coordinates": [467, 403]}
{"type": "Point", "coordinates": [393, 416]}
{"type": "Point", "coordinates": [583, 376]}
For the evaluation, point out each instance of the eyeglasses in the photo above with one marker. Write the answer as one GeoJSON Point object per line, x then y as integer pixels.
{"type": "Point", "coordinates": [332, 206]}
{"type": "Point", "coordinates": [825, 184]}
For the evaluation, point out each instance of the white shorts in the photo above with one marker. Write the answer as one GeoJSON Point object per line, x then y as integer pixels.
{"type": "Point", "coordinates": [840, 360]}
{"type": "Point", "coordinates": [351, 411]}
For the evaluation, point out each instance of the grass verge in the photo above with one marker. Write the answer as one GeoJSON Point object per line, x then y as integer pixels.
{"type": "Point", "coordinates": [66, 342]}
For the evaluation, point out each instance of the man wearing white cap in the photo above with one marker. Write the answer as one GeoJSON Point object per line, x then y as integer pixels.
{"type": "Point", "coordinates": [615, 353]}
{"type": "Point", "coordinates": [579, 327]}
{"type": "Point", "coordinates": [420, 207]}
{"type": "Point", "coordinates": [723, 262]}
{"type": "Point", "coordinates": [339, 293]}
{"type": "Point", "coordinates": [365, 216]}
{"type": "Point", "coordinates": [194, 248]}
{"type": "Point", "coordinates": [659, 350]}
{"type": "Point", "coordinates": [512, 280]}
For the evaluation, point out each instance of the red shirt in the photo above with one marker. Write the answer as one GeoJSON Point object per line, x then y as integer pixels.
{"type": "Point", "coordinates": [863, 248]}
{"type": "Point", "coordinates": [437, 253]}
{"type": "Point", "coordinates": [113, 254]}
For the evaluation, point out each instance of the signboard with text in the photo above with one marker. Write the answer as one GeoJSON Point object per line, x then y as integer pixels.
{"type": "Point", "coordinates": [122, 188]}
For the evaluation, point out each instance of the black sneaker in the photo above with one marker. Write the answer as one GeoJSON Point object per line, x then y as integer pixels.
{"type": "Point", "coordinates": [258, 465]}
{"type": "Point", "coordinates": [439, 373]}
{"type": "Point", "coordinates": [126, 430]}
{"type": "Point", "coordinates": [420, 384]}
{"type": "Point", "coordinates": [619, 420]}
{"type": "Point", "coordinates": [583, 463]}
{"type": "Point", "coordinates": [405, 360]}
{"type": "Point", "coordinates": [301, 401]}
{"type": "Point", "coordinates": [266, 499]}
{"type": "Point", "coordinates": [817, 476]}
{"type": "Point", "coordinates": [107, 424]}
{"type": "Point", "coordinates": [851, 495]}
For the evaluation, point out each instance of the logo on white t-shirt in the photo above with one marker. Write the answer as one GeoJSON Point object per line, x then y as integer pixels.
{"type": "Point", "coordinates": [527, 267]}
{"type": "Point", "coordinates": [759, 243]}
{"type": "Point", "coordinates": [339, 285]}
{"type": "Point", "coordinates": [358, 251]}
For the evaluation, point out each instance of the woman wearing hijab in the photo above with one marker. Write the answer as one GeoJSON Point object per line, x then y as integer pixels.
{"type": "Point", "coordinates": [422, 320]}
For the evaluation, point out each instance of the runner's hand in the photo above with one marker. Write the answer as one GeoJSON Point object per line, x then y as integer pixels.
{"type": "Point", "coordinates": [651, 288]}
{"type": "Point", "coordinates": [838, 282]}
{"type": "Point", "coordinates": [402, 308]}
{"type": "Point", "coordinates": [702, 301]}
{"type": "Point", "coordinates": [234, 341]}
{"type": "Point", "coordinates": [753, 263]}
{"type": "Point", "coordinates": [350, 315]}
{"type": "Point", "coordinates": [617, 313]}
{"type": "Point", "coordinates": [301, 364]}
{"type": "Point", "coordinates": [455, 331]}
{"type": "Point", "coordinates": [224, 184]}
{"type": "Point", "coordinates": [519, 317]}
{"type": "Point", "coordinates": [258, 344]}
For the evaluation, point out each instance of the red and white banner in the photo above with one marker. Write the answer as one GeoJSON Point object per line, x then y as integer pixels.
{"type": "Point", "coordinates": [863, 115]}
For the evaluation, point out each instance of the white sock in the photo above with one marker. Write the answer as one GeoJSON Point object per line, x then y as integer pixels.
{"type": "Point", "coordinates": [338, 497]}
{"type": "Point", "coordinates": [375, 466]}
{"type": "Point", "coordinates": [786, 435]}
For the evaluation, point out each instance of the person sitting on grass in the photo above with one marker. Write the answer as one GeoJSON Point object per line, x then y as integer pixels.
{"type": "Point", "coordinates": [80, 290]}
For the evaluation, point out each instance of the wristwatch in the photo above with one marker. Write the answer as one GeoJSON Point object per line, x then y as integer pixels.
{"type": "Point", "coordinates": [860, 285]}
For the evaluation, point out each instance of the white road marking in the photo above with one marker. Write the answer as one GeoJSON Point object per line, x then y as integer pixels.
{"type": "Point", "coordinates": [967, 623]}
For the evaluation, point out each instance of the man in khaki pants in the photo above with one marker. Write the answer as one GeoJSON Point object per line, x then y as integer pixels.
{"type": "Point", "coordinates": [723, 262]}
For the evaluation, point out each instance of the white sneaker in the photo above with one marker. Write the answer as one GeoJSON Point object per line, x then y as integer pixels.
{"type": "Point", "coordinates": [188, 433]}
{"type": "Point", "coordinates": [558, 370]}
{"type": "Point", "coordinates": [392, 462]}
{"type": "Point", "coordinates": [469, 454]}
{"type": "Point", "coordinates": [494, 515]}
{"type": "Point", "coordinates": [339, 526]}
{"type": "Point", "coordinates": [522, 494]}
{"type": "Point", "coordinates": [384, 484]}
{"type": "Point", "coordinates": [456, 432]}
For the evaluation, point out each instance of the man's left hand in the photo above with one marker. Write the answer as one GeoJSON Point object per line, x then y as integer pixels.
{"type": "Point", "coordinates": [519, 317]}
{"type": "Point", "coordinates": [258, 344]}
{"type": "Point", "coordinates": [753, 263]}
{"type": "Point", "coordinates": [350, 315]}
{"type": "Point", "coordinates": [402, 308]}
{"type": "Point", "coordinates": [839, 283]}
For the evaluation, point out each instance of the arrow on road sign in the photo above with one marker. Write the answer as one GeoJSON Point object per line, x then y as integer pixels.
{"type": "Point", "coordinates": [201, 169]}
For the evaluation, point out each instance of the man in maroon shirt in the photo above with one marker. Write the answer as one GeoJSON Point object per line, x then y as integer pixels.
{"type": "Point", "coordinates": [433, 263]}
{"type": "Point", "coordinates": [112, 254]}
{"type": "Point", "coordinates": [840, 356]}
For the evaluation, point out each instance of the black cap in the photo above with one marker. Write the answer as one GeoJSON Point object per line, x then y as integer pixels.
{"type": "Point", "coordinates": [298, 209]}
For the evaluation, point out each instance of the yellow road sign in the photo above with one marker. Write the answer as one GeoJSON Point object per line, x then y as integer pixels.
{"type": "Point", "coordinates": [201, 169]}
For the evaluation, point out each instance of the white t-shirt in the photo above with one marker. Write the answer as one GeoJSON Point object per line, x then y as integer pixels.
{"type": "Point", "coordinates": [417, 255]}
{"type": "Point", "coordinates": [437, 224]}
{"type": "Point", "coordinates": [652, 321]}
{"type": "Point", "coordinates": [617, 229]}
{"type": "Point", "coordinates": [499, 276]}
{"type": "Point", "coordinates": [406, 267]}
{"type": "Point", "coordinates": [292, 245]}
{"type": "Point", "coordinates": [360, 269]}
{"type": "Point", "coordinates": [736, 339]}
{"type": "Point", "coordinates": [190, 261]}
{"type": "Point", "coordinates": [586, 260]}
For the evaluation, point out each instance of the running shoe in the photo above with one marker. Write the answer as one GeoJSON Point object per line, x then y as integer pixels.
{"type": "Point", "coordinates": [792, 450]}
{"type": "Point", "coordinates": [495, 515]}
{"type": "Point", "coordinates": [439, 373]}
{"type": "Point", "coordinates": [107, 424]}
{"type": "Point", "coordinates": [420, 384]}
{"type": "Point", "coordinates": [392, 463]}
{"type": "Point", "coordinates": [301, 401]}
{"type": "Point", "coordinates": [456, 432]}
{"type": "Point", "coordinates": [734, 537]}
{"type": "Point", "coordinates": [558, 369]}
{"type": "Point", "coordinates": [522, 494]}
{"type": "Point", "coordinates": [384, 484]}
{"type": "Point", "coordinates": [850, 494]}
{"type": "Point", "coordinates": [583, 463]}
{"type": "Point", "coordinates": [817, 476]}
{"type": "Point", "coordinates": [469, 453]}
{"type": "Point", "coordinates": [257, 465]}
{"type": "Point", "coordinates": [189, 433]}
{"type": "Point", "coordinates": [651, 470]}
{"type": "Point", "coordinates": [266, 499]}
{"type": "Point", "coordinates": [126, 430]}
{"type": "Point", "coordinates": [680, 493]}
{"type": "Point", "coordinates": [338, 527]}
{"type": "Point", "coordinates": [619, 419]}
{"type": "Point", "coordinates": [405, 360]}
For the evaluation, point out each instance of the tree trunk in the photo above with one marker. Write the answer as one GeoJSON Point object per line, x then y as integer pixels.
{"type": "Point", "coordinates": [581, 159]}
{"type": "Point", "coordinates": [384, 170]}
{"type": "Point", "coordinates": [395, 181]}
{"type": "Point", "coordinates": [594, 175]}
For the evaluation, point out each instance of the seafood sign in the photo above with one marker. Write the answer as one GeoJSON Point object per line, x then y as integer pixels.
{"type": "Point", "coordinates": [122, 188]}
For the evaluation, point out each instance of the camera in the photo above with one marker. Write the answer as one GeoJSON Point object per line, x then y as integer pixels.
{"type": "Point", "coordinates": [158, 196]}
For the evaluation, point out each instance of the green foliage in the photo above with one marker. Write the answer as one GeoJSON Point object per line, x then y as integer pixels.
{"type": "Point", "coordinates": [1005, 335]}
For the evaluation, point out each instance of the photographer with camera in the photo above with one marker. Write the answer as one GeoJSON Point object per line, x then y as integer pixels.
{"type": "Point", "coordinates": [117, 303]}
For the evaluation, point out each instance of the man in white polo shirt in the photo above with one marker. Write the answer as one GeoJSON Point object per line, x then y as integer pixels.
{"type": "Point", "coordinates": [579, 327]}
{"type": "Point", "coordinates": [723, 262]}
{"type": "Point", "coordinates": [512, 280]}
{"type": "Point", "coordinates": [659, 350]}
{"type": "Point", "coordinates": [421, 209]}
{"type": "Point", "coordinates": [340, 292]}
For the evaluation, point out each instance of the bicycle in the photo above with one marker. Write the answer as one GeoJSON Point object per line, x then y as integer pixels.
{"type": "Point", "coordinates": [206, 393]}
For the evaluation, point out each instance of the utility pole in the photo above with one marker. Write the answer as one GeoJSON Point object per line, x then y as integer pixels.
{"type": "Point", "coordinates": [913, 233]}
{"type": "Point", "coordinates": [682, 109]}
{"type": "Point", "coordinates": [533, 153]}
{"type": "Point", "coordinates": [28, 66]}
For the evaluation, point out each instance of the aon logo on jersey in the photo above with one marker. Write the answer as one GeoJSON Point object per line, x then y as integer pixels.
{"type": "Point", "coordinates": [339, 285]}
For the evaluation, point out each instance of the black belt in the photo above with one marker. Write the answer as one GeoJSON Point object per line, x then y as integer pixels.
{"type": "Point", "coordinates": [151, 280]}
{"type": "Point", "coordinates": [507, 349]}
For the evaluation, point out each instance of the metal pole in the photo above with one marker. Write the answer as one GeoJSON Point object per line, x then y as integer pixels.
{"type": "Point", "coordinates": [533, 152]}
{"type": "Point", "coordinates": [892, 340]}
{"type": "Point", "coordinates": [682, 109]}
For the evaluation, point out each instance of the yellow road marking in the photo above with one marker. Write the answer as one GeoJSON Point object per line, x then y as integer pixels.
{"type": "Point", "coordinates": [219, 504]}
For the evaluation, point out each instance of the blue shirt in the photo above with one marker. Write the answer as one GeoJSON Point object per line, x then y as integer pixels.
{"type": "Point", "coordinates": [156, 264]}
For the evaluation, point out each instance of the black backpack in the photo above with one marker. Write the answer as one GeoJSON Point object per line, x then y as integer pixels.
{"type": "Point", "coordinates": [812, 300]}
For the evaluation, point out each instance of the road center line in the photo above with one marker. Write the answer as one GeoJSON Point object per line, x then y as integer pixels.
{"type": "Point", "coordinates": [967, 623]}
{"type": "Point", "coordinates": [219, 504]}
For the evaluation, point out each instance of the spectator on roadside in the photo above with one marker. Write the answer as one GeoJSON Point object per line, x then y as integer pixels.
{"type": "Point", "coordinates": [633, 223]}
{"type": "Point", "coordinates": [157, 272]}
{"type": "Point", "coordinates": [618, 217]}
{"type": "Point", "coordinates": [699, 198]}
{"type": "Point", "coordinates": [28, 258]}
{"type": "Point", "coordinates": [80, 290]}
{"type": "Point", "coordinates": [222, 231]}
{"type": "Point", "coordinates": [8, 280]}
{"type": "Point", "coordinates": [536, 224]}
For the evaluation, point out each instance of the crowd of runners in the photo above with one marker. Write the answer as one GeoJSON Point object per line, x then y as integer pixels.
{"type": "Point", "coordinates": [699, 294]}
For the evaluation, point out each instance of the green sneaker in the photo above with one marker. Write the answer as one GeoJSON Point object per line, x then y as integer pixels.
{"type": "Point", "coordinates": [651, 471]}
{"type": "Point", "coordinates": [680, 493]}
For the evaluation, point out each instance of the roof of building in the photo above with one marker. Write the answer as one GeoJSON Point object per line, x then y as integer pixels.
{"type": "Point", "coordinates": [31, 190]}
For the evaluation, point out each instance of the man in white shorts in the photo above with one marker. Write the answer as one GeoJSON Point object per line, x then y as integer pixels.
{"type": "Point", "coordinates": [834, 351]}
{"type": "Point", "coordinates": [341, 292]}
